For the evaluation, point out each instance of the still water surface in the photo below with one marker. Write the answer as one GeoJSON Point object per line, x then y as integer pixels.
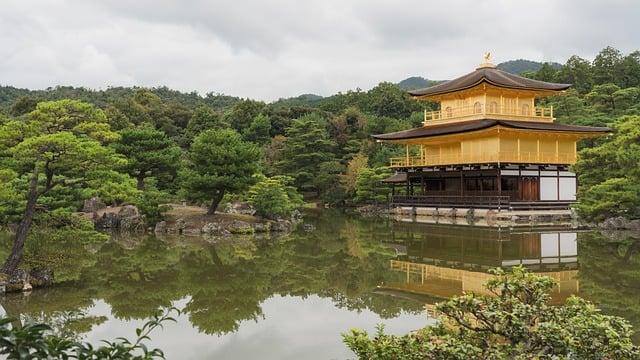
{"type": "Point", "coordinates": [290, 297]}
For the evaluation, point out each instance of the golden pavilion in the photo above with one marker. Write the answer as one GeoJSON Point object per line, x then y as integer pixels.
{"type": "Point", "coordinates": [489, 146]}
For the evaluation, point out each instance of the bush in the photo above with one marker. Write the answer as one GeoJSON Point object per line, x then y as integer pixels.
{"type": "Point", "coordinates": [274, 197]}
{"type": "Point", "coordinates": [611, 198]}
{"type": "Point", "coordinates": [38, 341]}
{"type": "Point", "coordinates": [369, 187]}
{"type": "Point", "coordinates": [516, 322]}
{"type": "Point", "coordinates": [152, 202]}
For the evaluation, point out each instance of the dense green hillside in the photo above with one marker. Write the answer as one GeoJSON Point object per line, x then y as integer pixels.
{"type": "Point", "coordinates": [521, 66]}
{"type": "Point", "coordinates": [415, 82]}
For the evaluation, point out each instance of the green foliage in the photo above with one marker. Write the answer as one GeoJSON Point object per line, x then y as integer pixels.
{"type": "Point", "coordinates": [149, 152]}
{"type": "Point", "coordinates": [218, 161]}
{"type": "Point", "coordinates": [609, 174]}
{"type": "Point", "coordinates": [259, 130]}
{"type": "Point", "coordinates": [515, 322]}
{"type": "Point", "coordinates": [152, 202]}
{"type": "Point", "coordinates": [306, 149]}
{"type": "Point", "coordinates": [274, 197]}
{"type": "Point", "coordinates": [242, 114]}
{"type": "Point", "coordinates": [36, 341]}
{"type": "Point", "coordinates": [369, 187]}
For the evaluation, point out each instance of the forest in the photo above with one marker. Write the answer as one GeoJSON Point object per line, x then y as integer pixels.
{"type": "Point", "coordinates": [149, 147]}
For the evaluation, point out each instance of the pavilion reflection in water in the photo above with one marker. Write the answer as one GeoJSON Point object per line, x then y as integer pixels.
{"type": "Point", "coordinates": [444, 261]}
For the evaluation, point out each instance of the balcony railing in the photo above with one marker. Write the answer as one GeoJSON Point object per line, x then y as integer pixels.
{"type": "Point", "coordinates": [523, 112]}
{"type": "Point", "coordinates": [502, 156]}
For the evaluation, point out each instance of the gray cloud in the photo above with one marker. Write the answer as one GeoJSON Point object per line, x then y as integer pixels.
{"type": "Point", "coordinates": [281, 48]}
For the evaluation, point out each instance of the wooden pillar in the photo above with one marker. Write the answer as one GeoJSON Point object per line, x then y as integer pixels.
{"type": "Point", "coordinates": [461, 183]}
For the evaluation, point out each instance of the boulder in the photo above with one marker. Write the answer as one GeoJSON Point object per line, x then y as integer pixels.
{"type": "Point", "coordinates": [41, 277]}
{"type": "Point", "coordinates": [92, 205]}
{"type": "Point", "coordinates": [613, 223]}
{"type": "Point", "coordinates": [127, 218]}
{"type": "Point", "coordinates": [281, 226]}
{"type": "Point", "coordinates": [160, 228]}
{"type": "Point", "coordinates": [296, 216]}
{"type": "Point", "coordinates": [240, 227]}
{"type": "Point", "coordinates": [17, 281]}
{"type": "Point", "coordinates": [181, 224]}
{"type": "Point", "coordinates": [128, 211]}
{"type": "Point", "coordinates": [239, 207]}
{"type": "Point", "coordinates": [210, 228]}
{"type": "Point", "coordinates": [262, 227]}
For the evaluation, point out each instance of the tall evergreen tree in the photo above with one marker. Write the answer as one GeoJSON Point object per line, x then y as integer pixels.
{"type": "Point", "coordinates": [150, 153]}
{"type": "Point", "coordinates": [306, 148]}
{"type": "Point", "coordinates": [219, 162]}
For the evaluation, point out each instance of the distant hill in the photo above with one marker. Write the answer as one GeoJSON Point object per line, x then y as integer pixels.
{"type": "Point", "coordinates": [520, 66]}
{"type": "Point", "coordinates": [301, 100]}
{"type": "Point", "coordinates": [416, 82]}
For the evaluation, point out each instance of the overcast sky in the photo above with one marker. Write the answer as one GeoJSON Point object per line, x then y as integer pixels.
{"type": "Point", "coordinates": [267, 49]}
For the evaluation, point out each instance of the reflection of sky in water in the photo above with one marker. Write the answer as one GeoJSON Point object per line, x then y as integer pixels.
{"type": "Point", "coordinates": [292, 328]}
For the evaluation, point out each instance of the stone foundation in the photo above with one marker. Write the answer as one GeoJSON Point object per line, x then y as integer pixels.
{"type": "Point", "coordinates": [484, 217]}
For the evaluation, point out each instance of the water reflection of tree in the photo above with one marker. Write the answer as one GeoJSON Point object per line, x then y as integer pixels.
{"type": "Point", "coordinates": [610, 274]}
{"type": "Point", "coordinates": [227, 281]}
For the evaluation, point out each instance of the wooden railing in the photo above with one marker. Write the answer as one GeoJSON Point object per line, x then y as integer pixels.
{"type": "Point", "coordinates": [502, 156]}
{"type": "Point", "coordinates": [479, 111]}
{"type": "Point", "coordinates": [482, 201]}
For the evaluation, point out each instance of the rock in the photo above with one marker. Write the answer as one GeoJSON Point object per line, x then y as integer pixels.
{"type": "Point", "coordinates": [239, 207]}
{"type": "Point", "coordinates": [309, 227]}
{"type": "Point", "coordinates": [128, 218]}
{"type": "Point", "coordinates": [634, 225]}
{"type": "Point", "coordinates": [160, 228]}
{"type": "Point", "coordinates": [613, 223]}
{"type": "Point", "coordinates": [211, 229]}
{"type": "Point", "coordinates": [41, 277]}
{"type": "Point", "coordinates": [372, 210]}
{"type": "Point", "coordinates": [240, 227]}
{"type": "Point", "coordinates": [92, 205]}
{"type": "Point", "coordinates": [17, 281]}
{"type": "Point", "coordinates": [181, 224]}
{"type": "Point", "coordinates": [296, 216]}
{"type": "Point", "coordinates": [453, 213]}
{"type": "Point", "coordinates": [128, 211]}
{"type": "Point", "coordinates": [281, 226]}
{"type": "Point", "coordinates": [262, 227]}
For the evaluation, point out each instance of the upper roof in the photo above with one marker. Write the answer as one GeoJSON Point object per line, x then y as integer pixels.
{"type": "Point", "coordinates": [492, 76]}
{"type": "Point", "coordinates": [472, 125]}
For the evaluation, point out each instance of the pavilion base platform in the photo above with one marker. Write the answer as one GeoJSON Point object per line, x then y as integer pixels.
{"type": "Point", "coordinates": [484, 217]}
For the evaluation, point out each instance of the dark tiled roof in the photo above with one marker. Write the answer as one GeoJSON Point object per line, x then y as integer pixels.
{"type": "Point", "coordinates": [460, 127]}
{"type": "Point", "coordinates": [398, 177]}
{"type": "Point", "coordinates": [492, 76]}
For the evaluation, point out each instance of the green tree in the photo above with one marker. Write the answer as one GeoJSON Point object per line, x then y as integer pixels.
{"type": "Point", "coordinates": [515, 322]}
{"type": "Point", "coordinates": [389, 100]}
{"type": "Point", "coordinates": [369, 187]}
{"type": "Point", "coordinates": [577, 71]}
{"type": "Point", "coordinates": [274, 197]}
{"type": "Point", "coordinates": [306, 148]}
{"type": "Point", "coordinates": [203, 118]}
{"type": "Point", "coordinates": [60, 144]}
{"type": "Point", "coordinates": [259, 130]}
{"type": "Point", "coordinates": [607, 66]}
{"type": "Point", "coordinates": [219, 162]}
{"type": "Point", "coordinates": [609, 175]}
{"type": "Point", "coordinates": [242, 114]}
{"type": "Point", "coordinates": [150, 152]}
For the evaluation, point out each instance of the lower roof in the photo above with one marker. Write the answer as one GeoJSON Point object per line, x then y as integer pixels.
{"type": "Point", "coordinates": [473, 125]}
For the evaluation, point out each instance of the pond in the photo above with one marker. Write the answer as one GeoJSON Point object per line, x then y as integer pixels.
{"type": "Point", "coordinates": [291, 297]}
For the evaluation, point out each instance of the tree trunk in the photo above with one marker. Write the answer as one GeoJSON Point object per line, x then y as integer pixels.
{"type": "Point", "coordinates": [215, 202]}
{"type": "Point", "coordinates": [15, 258]}
{"type": "Point", "coordinates": [140, 178]}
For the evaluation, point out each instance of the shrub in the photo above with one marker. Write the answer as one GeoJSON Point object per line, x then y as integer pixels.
{"type": "Point", "coordinates": [38, 341]}
{"type": "Point", "coordinates": [515, 322]}
{"type": "Point", "coordinates": [274, 197]}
